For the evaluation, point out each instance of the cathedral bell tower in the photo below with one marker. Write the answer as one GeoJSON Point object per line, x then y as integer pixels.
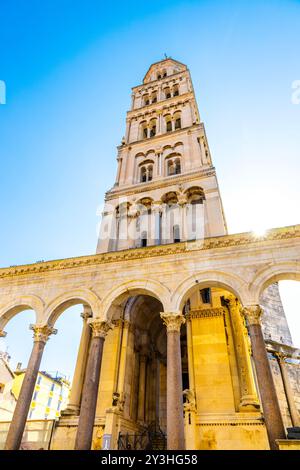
{"type": "Point", "coordinates": [166, 189]}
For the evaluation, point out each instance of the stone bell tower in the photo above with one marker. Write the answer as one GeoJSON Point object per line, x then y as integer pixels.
{"type": "Point", "coordinates": [166, 188]}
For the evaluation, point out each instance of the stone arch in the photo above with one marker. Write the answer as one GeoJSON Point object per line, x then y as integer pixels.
{"type": "Point", "coordinates": [135, 287]}
{"type": "Point", "coordinates": [273, 273]}
{"type": "Point", "coordinates": [228, 281]}
{"type": "Point", "coordinates": [74, 297]}
{"type": "Point", "coordinates": [25, 302]}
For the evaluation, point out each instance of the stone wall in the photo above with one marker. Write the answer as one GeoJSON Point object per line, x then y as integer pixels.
{"type": "Point", "coordinates": [274, 322]}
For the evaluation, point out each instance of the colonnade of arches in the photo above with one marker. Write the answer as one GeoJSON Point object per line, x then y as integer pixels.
{"type": "Point", "coordinates": [168, 123]}
{"type": "Point", "coordinates": [159, 323]}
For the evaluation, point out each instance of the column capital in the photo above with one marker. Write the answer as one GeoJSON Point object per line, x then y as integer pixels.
{"type": "Point", "coordinates": [100, 328]}
{"type": "Point", "coordinates": [156, 207]}
{"type": "Point", "coordinates": [2, 334]}
{"type": "Point", "coordinates": [182, 200]}
{"type": "Point", "coordinates": [252, 314]}
{"type": "Point", "coordinates": [42, 332]}
{"type": "Point", "coordinates": [172, 320]}
{"type": "Point", "coordinates": [87, 312]}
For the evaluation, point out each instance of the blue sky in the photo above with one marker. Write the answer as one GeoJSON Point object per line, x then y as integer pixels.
{"type": "Point", "coordinates": [69, 67]}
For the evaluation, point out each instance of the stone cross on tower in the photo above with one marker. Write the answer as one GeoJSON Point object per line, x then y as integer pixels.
{"type": "Point", "coordinates": [166, 188]}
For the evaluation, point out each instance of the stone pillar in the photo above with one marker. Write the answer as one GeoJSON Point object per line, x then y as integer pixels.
{"type": "Point", "coordinates": [183, 218]}
{"type": "Point", "coordinates": [175, 422]}
{"type": "Point", "coordinates": [91, 382]}
{"type": "Point", "coordinates": [248, 396]}
{"type": "Point", "coordinates": [269, 400]}
{"type": "Point", "coordinates": [142, 387]}
{"type": "Point", "coordinates": [77, 384]}
{"type": "Point", "coordinates": [288, 390]}
{"type": "Point", "coordinates": [17, 425]}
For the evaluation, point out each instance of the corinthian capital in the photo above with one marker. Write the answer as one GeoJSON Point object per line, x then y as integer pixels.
{"type": "Point", "coordinates": [100, 328]}
{"type": "Point", "coordinates": [42, 332]}
{"type": "Point", "coordinates": [172, 320]}
{"type": "Point", "coordinates": [252, 314]}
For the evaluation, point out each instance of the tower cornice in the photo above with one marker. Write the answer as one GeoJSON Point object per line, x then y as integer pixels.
{"type": "Point", "coordinates": [162, 137]}
{"type": "Point", "coordinates": [163, 182]}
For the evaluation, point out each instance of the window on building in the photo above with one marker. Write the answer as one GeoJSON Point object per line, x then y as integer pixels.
{"type": "Point", "coordinates": [205, 295]}
{"type": "Point", "coordinates": [153, 131]}
{"type": "Point", "coordinates": [171, 168]}
{"type": "Point", "coordinates": [177, 166]}
{"type": "Point", "coordinates": [154, 98]}
{"type": "Point", "coordinates": [35, 396]}
{"type": "Point", "coordinates": [144, 239]}
{"type": "Point", "coordinates": [176, 234]}
{"type": "Point", "coordinates": [143, 174]}
{"type": "Point", "coordinates": [150, 173]}
{"type": "Point", "coordinates": [39, 379]}
{"type": "Point", "coordinates": [169, 126]}
{"type": "Point", "coordinates": [175, 91]}
{"type": "Point", "coordinates": [49, 402]}
{"type": "Point", "coordinates": [145, 132]}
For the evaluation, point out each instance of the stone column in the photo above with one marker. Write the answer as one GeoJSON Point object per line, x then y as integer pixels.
{"type": "Point", "coordinates": [269, 400]}
{"type": "Point", "coordinates": [17, 425]}
{"type": "Point", "coordinates": [156, 229]}
{"type": "Point", "coordinates": [142, 387]}
{"type": "Point", "coordinates": [91, 382]}
{"type": "Point", "coordinates": [288, 390]}
{"type": "Point", "coordinates": [248, 396]}
{"type": "Point", "coordinates": [77, 384]}
{"type": "Point", "coordinates": [175, 422]}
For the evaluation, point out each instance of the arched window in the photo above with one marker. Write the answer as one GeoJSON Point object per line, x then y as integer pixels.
{"type": "Point", "coordinates": [173, 165]}
{"type": "Point", "coordinates": [154, 98]}
{"type": "Point", "coordinates": [143, 178]}
{"type": "Point", "coordinates": [176, 233]}
{"type": "Point", "coordinates": [164, 73]}
{"type": "Point", "coordinates": [171, 168]}
{"type": "Point", "coordinates": [144, 130]}
{"type": "Point", "coordinates": [152, 127]}
{"type": "Point", "coordinates": [146, 100]}
{"type": "Point", "coordinates": [168, 123]}
{"type": "Point", "coordinates": [178, 123]}
{"type": "Point", "coordinates": [177, 166]}
{"type": "Point", "coordinates": [146, 171]}
{"type": "Point", "coordinates": [159, 76]}
{"type": "Point", "coordinates": [175, 90]}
